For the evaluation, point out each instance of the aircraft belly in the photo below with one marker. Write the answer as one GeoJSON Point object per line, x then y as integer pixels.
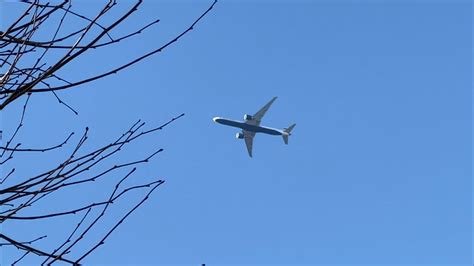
{"type": "Point", "coordinates": [249, 127]}
{"type": "Point", "coordinates": [231, 123]}
{"type": "Point", "coordinates": [266, 130]}
{"type": "Point", "coordinates": [270, 131]}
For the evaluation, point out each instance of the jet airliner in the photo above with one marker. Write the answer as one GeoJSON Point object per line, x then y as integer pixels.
{"type": "Point", "coordinates": [251, 125]}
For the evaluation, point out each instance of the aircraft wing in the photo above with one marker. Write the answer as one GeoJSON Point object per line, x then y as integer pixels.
{"type": "Point", "coordinates": [248, 137]}
{"type": "Point", "coordinates": [257, 117]}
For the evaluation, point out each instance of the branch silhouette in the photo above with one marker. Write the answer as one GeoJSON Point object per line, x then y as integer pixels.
{"type": "Point", "coordinates": [31, 64]}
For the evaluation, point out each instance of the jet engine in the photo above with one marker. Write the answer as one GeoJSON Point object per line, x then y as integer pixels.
{"type": "Point", "coordinates": [239, 135]}
{"type": "Point", "coordinates": [248, 117]}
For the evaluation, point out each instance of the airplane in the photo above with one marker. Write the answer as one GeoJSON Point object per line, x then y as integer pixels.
{"type": "Point", "coordinates": [251, 125]}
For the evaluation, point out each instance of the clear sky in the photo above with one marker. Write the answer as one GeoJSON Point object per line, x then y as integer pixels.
{"type": "Point", "coordinates": [377, 171]}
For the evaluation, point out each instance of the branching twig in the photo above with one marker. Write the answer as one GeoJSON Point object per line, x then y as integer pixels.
{"type": "Point", "coordinates": [33, 62]}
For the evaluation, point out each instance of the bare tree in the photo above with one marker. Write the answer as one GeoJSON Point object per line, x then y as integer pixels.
{"type": "Point", "coordinates": [29, 66]}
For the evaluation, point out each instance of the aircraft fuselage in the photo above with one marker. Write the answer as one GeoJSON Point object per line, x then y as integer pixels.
{"type": "Point", "coordinates": [247, 127]}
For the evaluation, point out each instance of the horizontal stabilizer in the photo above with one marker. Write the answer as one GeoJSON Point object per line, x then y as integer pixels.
{"type": "Point", "coordinates": [289, 129]}
{"type": "Point", "coordinates": [287, 133]}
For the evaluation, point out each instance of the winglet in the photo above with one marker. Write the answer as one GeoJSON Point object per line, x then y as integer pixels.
{"type": "Point", "coordinates": [287, 133]}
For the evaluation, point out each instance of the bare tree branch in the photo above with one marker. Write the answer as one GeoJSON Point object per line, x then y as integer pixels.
{"type": "Point", "coordinates": [31, 62]}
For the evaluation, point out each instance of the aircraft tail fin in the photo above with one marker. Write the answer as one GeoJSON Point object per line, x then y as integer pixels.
{"type": "Point", "coordinates": [287, 133]}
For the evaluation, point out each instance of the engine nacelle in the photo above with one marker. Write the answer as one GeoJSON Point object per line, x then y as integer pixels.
{"type": "Point", "coordinates": [239, 135]}
{"type": "Point", "coordinates": [247, 117]}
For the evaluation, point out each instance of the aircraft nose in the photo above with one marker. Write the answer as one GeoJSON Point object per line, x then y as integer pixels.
{"type": "Point", "coordinates": [215, 118]}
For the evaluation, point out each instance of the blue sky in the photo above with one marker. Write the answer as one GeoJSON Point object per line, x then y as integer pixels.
{"type": "Point", "coordinates": [378, 170]}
